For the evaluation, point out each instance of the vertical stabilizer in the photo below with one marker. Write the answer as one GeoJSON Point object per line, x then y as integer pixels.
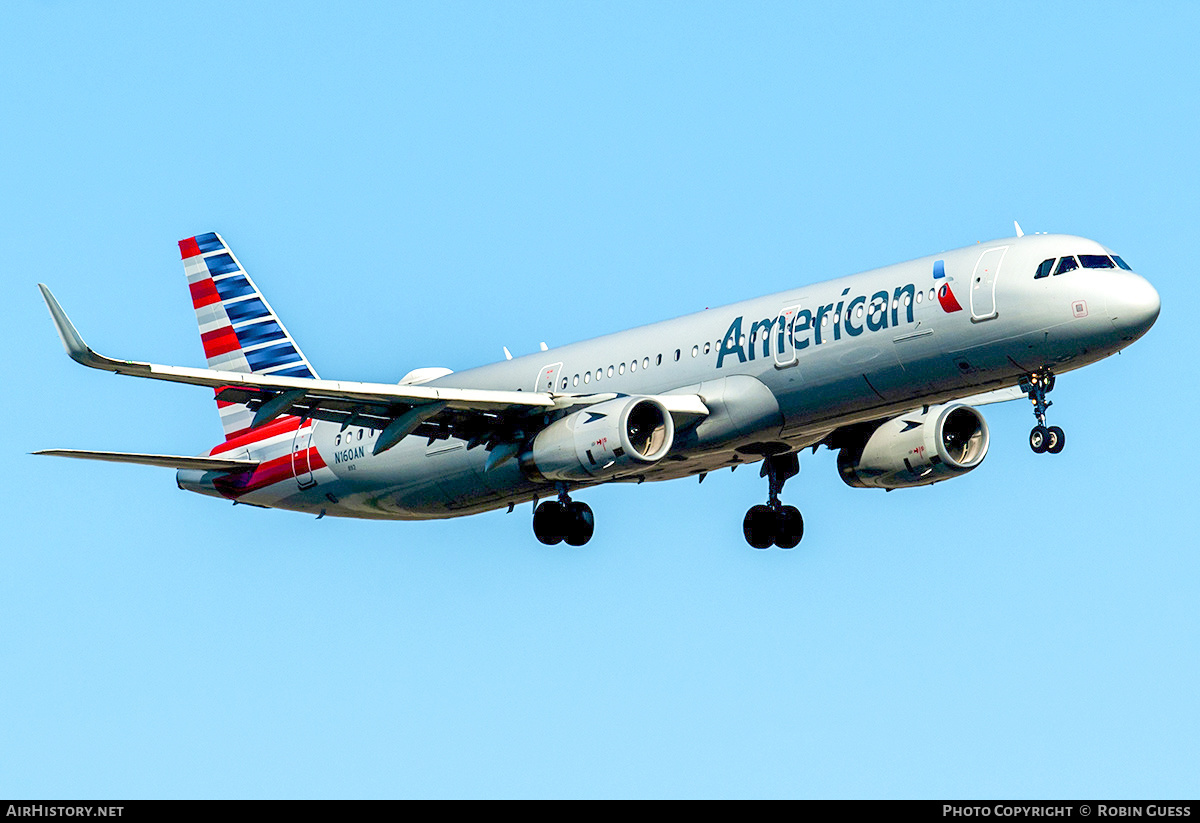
{"type": "Point", "coordinates": [239, 330]}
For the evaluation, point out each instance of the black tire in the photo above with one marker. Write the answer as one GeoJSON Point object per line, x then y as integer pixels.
{"type": "Point", "coordinates": [549, 520]}
{"type": "Point", "coordinates": [1057, 440]}
{"type": "Point", "coordinates": [579, 523]}
{"type": "Point", "coordinates": [789, 527]}
{"type": "Point", "coordinates": [1039, 439]}
{"type": "Point", "coordinates": [759, 527]}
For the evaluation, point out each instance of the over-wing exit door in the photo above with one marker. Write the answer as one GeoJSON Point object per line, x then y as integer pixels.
{"type": "Point", "coordinates": [547, 377]}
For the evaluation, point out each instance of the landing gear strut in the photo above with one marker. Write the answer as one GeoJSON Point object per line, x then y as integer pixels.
{"type": "Point", "coordinates": [775, 523]}
{"type": "Point", "coordinates": [556, 521]}
{"type": "Point", "coordinates": [1042, 438]}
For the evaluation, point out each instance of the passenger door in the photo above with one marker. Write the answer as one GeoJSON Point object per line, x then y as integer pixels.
{"type": "Point", "coordinates": [983, 284]}
{"type": "Point", "coordinates": [301, 465]}
{"type": "Point", "coordinates": [785, 342]}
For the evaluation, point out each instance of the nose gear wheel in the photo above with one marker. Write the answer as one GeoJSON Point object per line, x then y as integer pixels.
{"type": "Point", "coordinates": [1042, 438]}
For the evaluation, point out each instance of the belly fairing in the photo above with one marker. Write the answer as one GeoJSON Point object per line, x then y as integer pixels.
{"type": "Point", "coordinates": [415, 478]}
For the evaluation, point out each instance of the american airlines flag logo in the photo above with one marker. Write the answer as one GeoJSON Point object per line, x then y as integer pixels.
{"type": "Point", "coordinates": [238, 329]}
{"type": "Point", "coordinates": [944, 294]}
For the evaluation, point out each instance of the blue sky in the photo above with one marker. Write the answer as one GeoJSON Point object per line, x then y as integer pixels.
{"type": "Point", "coordinates": [419, 185]}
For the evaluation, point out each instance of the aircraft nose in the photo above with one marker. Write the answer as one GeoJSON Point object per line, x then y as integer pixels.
{"type": "Point", "coordinates": [1133, 306]}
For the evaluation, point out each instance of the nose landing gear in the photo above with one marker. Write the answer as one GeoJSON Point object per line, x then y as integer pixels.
{"type": "Point", "coordinates": [1042, 438]}
{"type": "Point", "coordinates": [775, 523]}
{"type": "Point", "coordinates": [563, 520]}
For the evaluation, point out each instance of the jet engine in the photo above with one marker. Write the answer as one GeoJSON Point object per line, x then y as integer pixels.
{"type": "Point", "coordinates": [916, 449]}
{"type": "Point", "coordinates": [601, 440]}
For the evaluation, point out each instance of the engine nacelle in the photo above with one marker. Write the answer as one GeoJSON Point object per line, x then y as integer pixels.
{"type": "Point", "coordinates": [602, 440]}
{"type": "Point", "coordinates": [917, 449]}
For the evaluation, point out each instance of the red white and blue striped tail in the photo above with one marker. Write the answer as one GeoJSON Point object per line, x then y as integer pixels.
{"type": "Point", "coordinates": [238, 328]}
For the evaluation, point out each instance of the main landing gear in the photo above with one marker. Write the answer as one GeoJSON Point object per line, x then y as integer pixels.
{"type": "Point", "coordinates": [556, 521]}
{"type": "Point", "coordinates": [1042, 438]}
{"type": "Point", "coordinates": [775, 523]}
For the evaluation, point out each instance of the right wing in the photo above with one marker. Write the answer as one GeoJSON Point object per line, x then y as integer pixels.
{"type": "Point", "coordinates": [994, 396]}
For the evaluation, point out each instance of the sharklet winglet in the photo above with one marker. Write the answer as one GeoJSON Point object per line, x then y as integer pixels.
{"type": "Point", "coordinates": [71, 339]}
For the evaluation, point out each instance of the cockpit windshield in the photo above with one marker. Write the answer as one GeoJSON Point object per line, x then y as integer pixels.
{"type": "Point", "coordinates": [1065, 265]}
{"type": "Point", "coordinates": [1088, 261]}
{"type": "Point", "coordinates": [1096, 261]}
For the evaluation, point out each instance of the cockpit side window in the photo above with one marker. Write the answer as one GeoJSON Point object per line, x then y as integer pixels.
{"type": "Point", "coordinates": [1044, 269]}
{"type": "Point", "coordinates": [1095, 261]}
{"type": "Point", "coordinates": [1122, 263]}
{"type": "Point", "coordinates": [1065, 265]}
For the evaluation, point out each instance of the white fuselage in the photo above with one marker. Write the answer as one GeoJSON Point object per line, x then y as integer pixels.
{"type": "Point", "coordinates": [779, 372]}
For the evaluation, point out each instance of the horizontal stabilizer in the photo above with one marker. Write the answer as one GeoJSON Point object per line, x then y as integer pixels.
{"type": "Point", "coordinates": [170, 461]}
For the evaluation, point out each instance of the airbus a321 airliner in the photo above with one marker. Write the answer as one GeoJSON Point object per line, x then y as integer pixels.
{"type": "Point", "coordinates": [887, 367]}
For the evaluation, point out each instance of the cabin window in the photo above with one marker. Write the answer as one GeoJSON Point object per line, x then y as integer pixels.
{"type": "Point", "coordinates": [677, 353]}
{"type": "Point", "coordinates": [587, 377]}
{"type": "Point", "coordinates": [1065, 265]}
{"type": "Point", "coordinates": [610, 371]}
{"type": "Point", "coordinates": [645, 363]}
{"type": "Point", "coordinates": [575, 380]}
{"type": "Point", "coordinates": [695, 350]}
{"type": "Point", "coordinates": [620, 368]}
{"type": "Point", "coordinates": [1044, 269]}
{"type": "Point", "coordinates": [658, 361]}
{"type": "Point", "coordinates": [706, 347]}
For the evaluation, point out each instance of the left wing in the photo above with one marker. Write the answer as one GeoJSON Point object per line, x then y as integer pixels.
{"type": "Point", "coordinates": [479, 416]}
{"type": "Point", "coordinates": [398, 410]}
